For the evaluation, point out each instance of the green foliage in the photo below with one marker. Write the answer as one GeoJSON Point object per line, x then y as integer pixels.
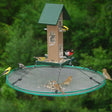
{"type": "Point", "coordinates": [22, 48]}
{"type": "Point", "coordinates": [8, 93]}
{"type": "Point", "coordinates": [21, 38]}
{"type": "Point", "coordinates": [9, 9]}
{"type": "Point", "coordinates": [3, 40]}
{"type": "Point", "coordinates": [99, 60]}
{"type": "Point", "coordinates": [2, 79]}
{"type": "Point", "coordinates": [6, 105]}
{"type": "Point", "coordinates": [24, 44]}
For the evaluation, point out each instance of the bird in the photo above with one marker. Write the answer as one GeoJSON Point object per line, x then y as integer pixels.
{"type": "Point", "coordinates": [57, 87]}
{"type": "Point", "coordinates": [39, 58]}
{"type": "Point", "coordinates": [21, 66]}
{"type": "Point", "coordinates": [67, 81]}
{"type": "Point", "coordinates": [36, 57]}
{"type": "Point", "coordinates": [69, 52]}
{"type": "Point", "coordinates": [65, 28]}
{"type": "Point", "coordinates": [106, 74]}
{"type": "Point", "coordinates": [6, 71]}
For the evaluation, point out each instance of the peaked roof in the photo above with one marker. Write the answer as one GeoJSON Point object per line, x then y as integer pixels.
{"type": "Point", "coordinates": [51, 14]}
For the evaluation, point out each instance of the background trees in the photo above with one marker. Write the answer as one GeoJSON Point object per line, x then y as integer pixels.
{"type": "Point", "coordinates": [21, 38]}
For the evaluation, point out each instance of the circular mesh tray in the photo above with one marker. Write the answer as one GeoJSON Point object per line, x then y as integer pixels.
{"type": "Point", "coordinates": [32, 80]}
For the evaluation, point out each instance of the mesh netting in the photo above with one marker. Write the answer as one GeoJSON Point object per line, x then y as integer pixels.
{"type": "Point", "coordinates": [32, 80]}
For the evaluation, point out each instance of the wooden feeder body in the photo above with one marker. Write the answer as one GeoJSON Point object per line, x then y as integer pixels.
{"type": "Point", "coordinates": [55, 41]}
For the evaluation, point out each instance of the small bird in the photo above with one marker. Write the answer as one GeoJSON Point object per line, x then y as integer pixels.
{"type": "Point", "coordinates": [67, 81]}
{"type": "Point", "coordinates": [36, 57]}
{"type": "Point", "coordinates": [39, 58]}
{"type": "Point", "coordinates": [6, 71]}
{"type": "Point", "coordinates": [106, 75]}
{"type": "Point", "coordinates": [57, 87]}
{"type": "Point", "coordinates": [65, 28]}
{"type": "Point", "coordinates": [21, 66]}
{"type": "Point", "coordinates": [69, 52]}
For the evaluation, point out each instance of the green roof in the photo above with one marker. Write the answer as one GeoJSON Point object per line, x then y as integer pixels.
{"type": "Point", "coordinates": [51, 14]}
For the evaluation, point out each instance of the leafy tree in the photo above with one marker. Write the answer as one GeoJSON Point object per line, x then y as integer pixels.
{"type": "Point", "coordinates": [22, 48]}
{"type": "Point", "coordinates": [99, 60]}
{"type": "Point", "coordinates": [8, 9]}
{"type": "Point", "coordinates": [23, 44]}
{"type": "Point", "coordinates": [8, 93]}
{"type": "Point", "coordinates": [21, 38]}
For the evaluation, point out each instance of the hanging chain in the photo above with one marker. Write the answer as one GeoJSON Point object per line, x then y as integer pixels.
{"type": "Point", "coordinates": [59, 74]}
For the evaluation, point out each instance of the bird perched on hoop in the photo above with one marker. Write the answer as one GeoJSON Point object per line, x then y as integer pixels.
{"type": "Point", "coordinates": [106, 74]}
{"type": "Point", "coordinates": [21, 66]}
{"type": "Point", "coordinates": [6, 71]}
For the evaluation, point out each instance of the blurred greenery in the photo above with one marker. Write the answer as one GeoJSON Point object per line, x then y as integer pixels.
{"type": "Point", "coordinates": [21, 38]}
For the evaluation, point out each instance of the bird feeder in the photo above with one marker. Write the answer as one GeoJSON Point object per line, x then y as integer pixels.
{"type": "Point", "coordinates": [39, 79]}
{"type": "Point", "coordinates": [53, 16]}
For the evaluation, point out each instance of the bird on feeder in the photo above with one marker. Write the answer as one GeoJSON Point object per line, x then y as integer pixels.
{"type": "Point", "coordinates": [67, 81]}
{"type": "Point", "coordinates": [69, 52]}
{"type": "Point", "coordinates": [106, 74]}
{"type": "Point", "coordinates": [65, 28]}
{"type": "Point", "coordinates": [6, 71]}
{"type": "Point", "coordinates": [21, 66]}
{"type": "Point", "coordinates": [57, 87]}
